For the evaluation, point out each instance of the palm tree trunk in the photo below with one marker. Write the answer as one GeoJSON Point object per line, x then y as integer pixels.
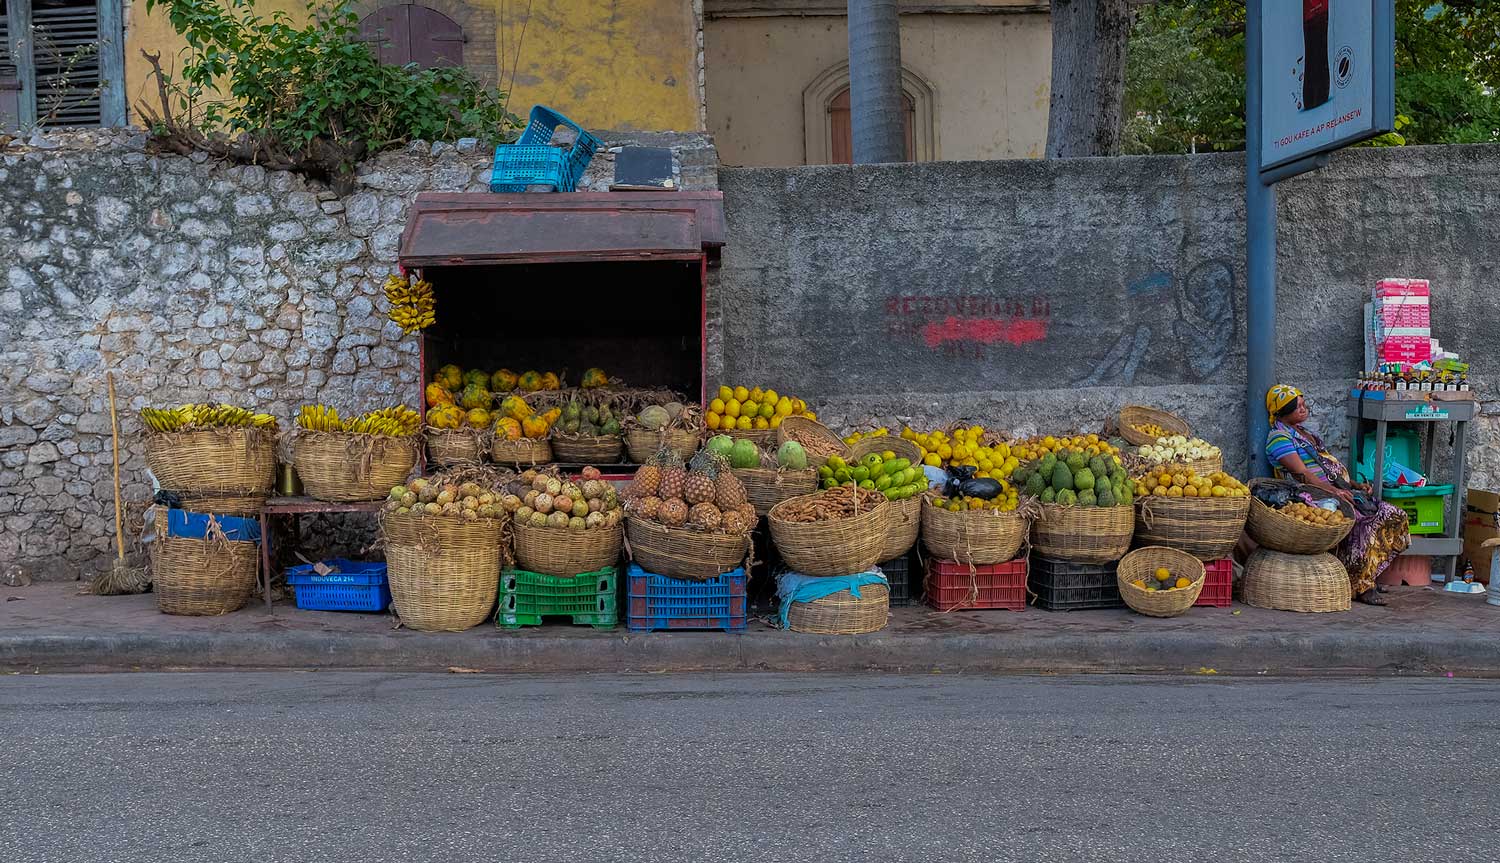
{"type": "Point", "coordinates": [875, 81]}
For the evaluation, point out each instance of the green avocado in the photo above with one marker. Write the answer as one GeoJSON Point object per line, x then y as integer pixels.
{"type": "Point", "coordinates": [1083, 480]}
{"type": "Point", "coordinates": [1062, 477]}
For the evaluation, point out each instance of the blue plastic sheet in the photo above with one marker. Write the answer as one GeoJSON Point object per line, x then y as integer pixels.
{"type": "Point", "coordinates": [795, 587]}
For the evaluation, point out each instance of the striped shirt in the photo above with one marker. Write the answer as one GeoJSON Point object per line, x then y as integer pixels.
{"type": "Point", "coordinates": [1285, 440]}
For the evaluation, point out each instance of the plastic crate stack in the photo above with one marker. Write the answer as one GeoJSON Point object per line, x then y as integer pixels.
{"type": "Point", "coordinates": [654, 602]}
{"type": "Point", "coordinates": [588, 599]}
{"type": "Point", "coordinates": [1218, 583]}
{"type": "Point", "coordinates": [1061, 585]}
{"type": "Point", "coordinates": [953, 586]}
{"type": "Point", "coordinates": [898, 572]}
{"type": "Point", "coordinates": [533, 161]}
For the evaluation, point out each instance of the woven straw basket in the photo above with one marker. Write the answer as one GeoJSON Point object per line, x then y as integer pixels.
{"type": "Point", "coordinates": [586, 449]}
{"type": "Point", "coordinates": [902, 447]}
{"type": "Point", "coordinates": [1296, 582]}
{"type": "Point", "coordinates": [344, 467]}
{"type": "Point", "coordinates": [1199, 466]}
{"type": "Point", "coordinates": [201, 576]}
{"type": "Point", "coordinates": [1134, 415]}
{"type": "Point", "coordinates": [443, 571]}
{"type": "Point", "coordinates": [567, 552]}
{"type": "Point", "coordinates": [973, 536]}
{"type": "Point", "coordinates": [812, 430]}
{"type": "Point", "coordinates": [235, 461]}
{"type": "Point", "coordinates": [1144, 562]}
{"type": "Point", "coordinates": [1206, 527]}
{"type": "Point", "coordinates": [453, 447]}
{"type": "Point", "coordinates": [1281, 532]}
{"type": "Point", "coordinates": [763, 438]}
{"type": "Point", "coordinates": [1083, 534]}
{"type": "Point", "coordinates": [906, 526]}
{"type": "Point", "coordinates": [522, 452]}
{"type": "Point", "coordinates": [766, 487]}
{"type": "Point", "coordinates": [641, 444]}
{"type": "Point", "coordinates": [843, 546]}
{"type": "Point", "coordinates": [843, 613]}
{"type": "Point", "coordinates": [678, 552]}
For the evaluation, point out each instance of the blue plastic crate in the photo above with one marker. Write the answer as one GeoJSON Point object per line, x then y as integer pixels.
{"type": "Point", "coordinates": [655, 602]}
{"type": "Point", "coordinates": [352, 586]}
{"type": "Point", "coordinates": [533, 161]}
{"type": "Point", "coordinates": [194, 525]}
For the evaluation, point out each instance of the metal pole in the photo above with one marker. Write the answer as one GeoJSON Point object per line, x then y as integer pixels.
{"type": "Point", "coordinates": [1260, 264]}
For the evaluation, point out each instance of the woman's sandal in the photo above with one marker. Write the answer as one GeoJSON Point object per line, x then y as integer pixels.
{"type": "Point", "coordinates": [1370, 597]}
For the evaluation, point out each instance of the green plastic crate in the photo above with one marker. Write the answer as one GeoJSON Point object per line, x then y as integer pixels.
{"type": "Point", "coordinates": [1425, 512]}
{"type": "Point", "coordinates": [589, 599]}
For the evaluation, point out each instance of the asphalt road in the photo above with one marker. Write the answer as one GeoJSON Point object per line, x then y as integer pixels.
{"type": "Point", "coordinates": [363, 767]}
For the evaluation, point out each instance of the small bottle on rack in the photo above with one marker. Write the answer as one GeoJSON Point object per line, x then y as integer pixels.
{"type": "Point", "coordinates": [1424, 382]}
{"type": "Point", "coordinates": [1402, 382]}
{"type": "Point", "coordinates": [1463, 382]}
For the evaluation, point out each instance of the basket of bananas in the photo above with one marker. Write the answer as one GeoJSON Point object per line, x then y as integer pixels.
{"type": "Point", "coordinates": [357, 458]}
{"type": "Point", "coordinates": [211, 450]}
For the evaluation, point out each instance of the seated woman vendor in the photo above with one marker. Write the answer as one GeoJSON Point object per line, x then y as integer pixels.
{"type": "Point", "coordinates": [1380, 530]}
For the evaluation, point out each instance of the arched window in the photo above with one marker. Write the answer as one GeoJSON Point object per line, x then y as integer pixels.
{"type": "Point", "coordinates": [827, 128]}
{"type": "Point", "coordinates": [406, 33]}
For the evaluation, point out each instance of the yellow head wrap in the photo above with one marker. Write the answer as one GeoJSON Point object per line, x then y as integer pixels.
{"type": "Point", "coordinates": [1278, 397]}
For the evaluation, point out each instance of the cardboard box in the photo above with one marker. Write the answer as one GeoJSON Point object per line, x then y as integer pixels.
{"type": "Point", "coordinates": [1480, 514]}
{"type": "Point", "coordinates": [1402, 288]}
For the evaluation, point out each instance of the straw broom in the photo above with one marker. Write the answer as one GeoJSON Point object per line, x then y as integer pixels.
{"type": "Point", "coordinates": [121, 578]}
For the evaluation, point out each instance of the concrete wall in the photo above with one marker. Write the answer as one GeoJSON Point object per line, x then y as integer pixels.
{"type": "Point", "coordinates": [1042, 296]}
{"type": "Point", "coordinates": [990, 75]}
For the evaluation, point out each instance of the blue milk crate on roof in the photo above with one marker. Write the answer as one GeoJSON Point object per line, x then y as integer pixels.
{"type": "Point", "coordinates": [351, 586]}
{"type": "Point", "coordinates": [533, 161]}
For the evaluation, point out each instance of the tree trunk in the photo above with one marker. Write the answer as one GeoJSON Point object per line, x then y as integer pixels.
{"type": "Point", "coordinates": [1088, 77]}
{"type": "Point", "coordinates": [875, 81]}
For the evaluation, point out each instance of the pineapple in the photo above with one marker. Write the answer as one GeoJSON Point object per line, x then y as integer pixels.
{"type": "Point", "coordinates": [729, 491]}
{"type": "Point", "coordinates": [700, 485]}
{"type": "Point", "coordinates": [706, 516]}
{"type": "Point", "coordinates": [751, 516]}
{"type": "Point", "coordinates": [647, 482]}
{"type": "Point", "coordinates": [673, 482]}
{"type": "Point", "coordinates": [734, 521]}
{"type": "Point", "coordinates": [673, 512]}
{"type": "Point", "coordinates": [648, 507]}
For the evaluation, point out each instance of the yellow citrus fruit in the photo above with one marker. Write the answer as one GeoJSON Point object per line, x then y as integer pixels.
{"type": "Point", "coordinates": [744, 424]}
{"type": "Point", "coordinates": [750, 408]}
{"type": "Point", "coordinates": [761, 423]}
{"type": "Point", "coordinates": [770, 396]}
{"type": "Point", "coordinates": [741, 394]}
{"type": "Point", "coordinates": [1182, 582]}
{"type": "Point", "coordinates": [716, 406]}
{"type": "Point", "coordinates": [768, 409]}
{"type": "Point", "coordinates": [776, 421]}
{"type": "Point", "coordinates": [1162, 573]}
{"type": "Point", "coordinates": [725, 394]}
{"type": "Point", "coordinates": [713, 420]}
{"type": "Point", "coordinates": [732, 408]}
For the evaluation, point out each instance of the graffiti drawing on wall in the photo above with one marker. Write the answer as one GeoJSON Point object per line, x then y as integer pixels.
{"type": "Point", "coordinates": [967, 326]}
{"type": "Point", "coordinates": [1191, 320]}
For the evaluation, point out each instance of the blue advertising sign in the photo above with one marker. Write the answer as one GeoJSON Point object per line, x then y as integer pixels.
{"type": "Point", "coordinates": [1327, 75]}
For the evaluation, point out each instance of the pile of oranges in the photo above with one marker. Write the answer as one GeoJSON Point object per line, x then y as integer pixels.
{"type": "Point", "coordinates": [738, 408]}
{"type": "Point", "coordinates": [1177, 481]}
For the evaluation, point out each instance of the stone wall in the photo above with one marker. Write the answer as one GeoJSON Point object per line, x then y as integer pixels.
{"type": "Point", "coordinates": [1042, 296]}
{"type": "Point", "coordinates": [193, 280]}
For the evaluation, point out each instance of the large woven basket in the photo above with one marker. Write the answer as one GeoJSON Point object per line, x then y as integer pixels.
{"type": "Point", "coordinates": [345, 467]}
{"type": "Point", "coordinates": [443, 571]}
{"type": "Point", "coordinates": [905, 527]}
{"type": "Point", "coordinates": [522, 452]}
{"type": "Point", "coordinates": [201, 576]}
{"type": "Point", "coordinates": [641, 444]}
{"type": "Point", "coordinates": [763, 438]}
{"type": "Point", "coordinates": [455, 447]}
{"type": "Point", "coordinates": [1206, 527]}
{"type": "Point", "coordinates": [1296, 582]}
{"type": "Point", "coordinates": [236, 461]}
{"type": "Point", "coordinates": [586, 449]}
{"type": "Point", "coordinates": [973, 536]}
{"type": "Point", "coordinates": [1134, 415]}
{"type": "Point", "coordinates": [678, 552]}
{"type": "Point", "coordinates": [766, 487]}
{"type": "Point", "coordinates": [1144, 562]}
{"type": "Point", "coordinates": [567, 552]}
{"type": "Point", "coordinates": [902, 447]}
{"type": "Point", "coordinates": [843, 546]}
{"type": "Point", "coordinates": [843, 613]}
{"type": "Point", "coordinates": [1083, 534]}
{"type": "Point", "coordinates": [812, 430]}
{"type": "Point", "coordinates": [1281, 532]}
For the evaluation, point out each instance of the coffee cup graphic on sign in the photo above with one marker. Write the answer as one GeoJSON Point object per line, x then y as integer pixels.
{"type": "Point", "coordinates": [1314, 53]}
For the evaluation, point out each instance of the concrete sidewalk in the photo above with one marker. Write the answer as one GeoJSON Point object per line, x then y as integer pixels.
{"type": "Point", "coordinates": [50, 627]}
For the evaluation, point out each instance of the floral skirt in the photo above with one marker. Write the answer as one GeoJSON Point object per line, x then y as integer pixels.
{"type": "Point", "coordinates": [1375, 541]}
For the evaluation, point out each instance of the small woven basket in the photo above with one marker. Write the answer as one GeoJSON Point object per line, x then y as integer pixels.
{"type": "Point", "coordinates": [345, 467]}
{"type": "Point", "coordinates": [811, 430]}
{"type": "Point", "coordinates": [201, 576]}
{"type": "Point", "coordinates": [567, 552]}
{"type": "Point", "coordinates": [522, 452]}
{"type": "Point", "coordinates": [902, 447]}
{"type": "Point", "coordinates": [455, 447]}
{"type": "Point", "coordinates": [641, 444]}
{"type": "Point", "coordinates": [973, 536]}
{"type": "Point", "coordinates": [678, 552]}
{"type": "Point", "coordinates": [844, 546]}
{"type": "Point", "coordinates": [1199, 466]}
{"type": "Point", "coordinates": [586, 449]}
{"type": "Point", "coordinates": [443, 571]}
{"type": "Point", "coordinates": [905, 527]}
{"type": "Point", "coordinates": [1142, 562]}
{"type": "Point", "coordinates": [1206, 527]}
{"type": "Point", "coordinates": [235, 461]}
{"type": "Point", "coordinates": [766, 487]}
{"type": "Point", "coordinates": [1281, 532]}
{"type": "Point", "coordinates": [843, 613]}
{"type": "Point", "coordinates": [1296, 582]}
{"type": "Point", "coordinates": [1134, 415]}
{"type": "Point", "coordinates": [763, 438]}
{"type": "Point", "coordinates": [1083, 534]}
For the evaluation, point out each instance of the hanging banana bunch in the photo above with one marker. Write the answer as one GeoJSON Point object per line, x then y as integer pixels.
{"type": "Point", "coordinates": [412, 305]}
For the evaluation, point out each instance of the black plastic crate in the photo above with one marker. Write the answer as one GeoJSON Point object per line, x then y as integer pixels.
{"type": "Point", "coordinates": [905, 587]}
{"type": "Point", "coordinates": [1060, 585]}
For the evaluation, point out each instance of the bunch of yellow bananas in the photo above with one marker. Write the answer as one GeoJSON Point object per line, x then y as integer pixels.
{"type": "Point", "coordinates": [319, 418]}
{"type": "Point", "coordinates": [186, 417]}
{"type": "Point", "coordinates": [412, 304]}
{"type": "Point", "coordinates": [398, 421]}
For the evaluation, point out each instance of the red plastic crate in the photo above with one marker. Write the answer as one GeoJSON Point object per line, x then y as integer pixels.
{"type": "Point", "coordinates": [1218, 584]}
{"type": "Point", "coordinates": [953, 585]}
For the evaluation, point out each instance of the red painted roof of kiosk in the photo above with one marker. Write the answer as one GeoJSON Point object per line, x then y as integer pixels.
{"type": "Point", "coordinates": [480, 228]}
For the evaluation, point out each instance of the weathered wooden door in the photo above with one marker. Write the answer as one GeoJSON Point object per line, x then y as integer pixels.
{"type": "Point", "coordinates": [841, 128]}
{"type": "Point", "coordinates": [406, 33]}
